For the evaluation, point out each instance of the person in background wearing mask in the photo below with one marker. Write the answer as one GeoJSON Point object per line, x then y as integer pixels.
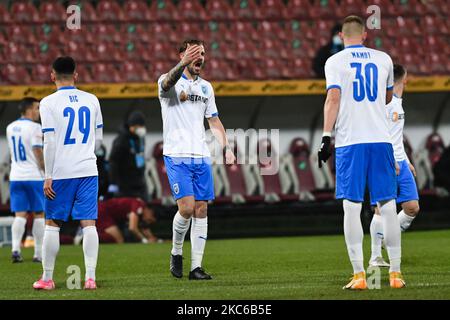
{"type": "Point", "coordinates": [333, 46]}
{"type": "Point", "coordinates": [127, 161]}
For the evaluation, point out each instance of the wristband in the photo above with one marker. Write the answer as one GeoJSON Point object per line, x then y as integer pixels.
{"type": "Point", "coordinates": [326, 134]}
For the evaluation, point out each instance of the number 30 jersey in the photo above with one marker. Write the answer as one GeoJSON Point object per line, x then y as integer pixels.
{"type": "Point", "coordinates": [23, 135]}
{"type": "Point", "coordinates": [74, 116]}
{"type": "Point", "coordinates": [363, 75]}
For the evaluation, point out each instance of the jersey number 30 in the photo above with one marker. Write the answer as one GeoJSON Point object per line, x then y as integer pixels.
{"type": "Point", "coordinates": [367, 84]}
{"type": "Point", "coordinates": [84, 121]}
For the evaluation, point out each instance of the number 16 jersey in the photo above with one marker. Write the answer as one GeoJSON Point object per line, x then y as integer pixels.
{"type": "Point", "coordinates": [74, 116]}
{"type": "Point", "coordinates": [363, 75]}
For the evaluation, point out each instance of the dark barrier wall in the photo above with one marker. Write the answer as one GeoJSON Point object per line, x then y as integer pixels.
{"type": "Point", "coordinates": [285, 112]}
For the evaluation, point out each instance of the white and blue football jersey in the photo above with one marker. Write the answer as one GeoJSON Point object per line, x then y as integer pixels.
{"type": "Point", "coordinates": [363, 75]}
{"type": "Point", "coordinates": [74, 116]}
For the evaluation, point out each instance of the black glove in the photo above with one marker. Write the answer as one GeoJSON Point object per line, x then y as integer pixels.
{"type": "Point", "coordinates": [324, 151]}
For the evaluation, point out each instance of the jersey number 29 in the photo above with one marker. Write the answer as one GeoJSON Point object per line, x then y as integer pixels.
{"type": "Point", "coordinates": [367, 84]}
{"type": "Point", "coordinates": [84, 122]}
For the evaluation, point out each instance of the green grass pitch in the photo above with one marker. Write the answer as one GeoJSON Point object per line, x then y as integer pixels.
{"type": "Point", "coordinates": [267, 268]}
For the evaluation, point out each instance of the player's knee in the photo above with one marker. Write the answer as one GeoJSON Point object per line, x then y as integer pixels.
{"type": "Point", "coordinates": [201, 210]}
{"type": "Point", "coordinates": [186, 211]}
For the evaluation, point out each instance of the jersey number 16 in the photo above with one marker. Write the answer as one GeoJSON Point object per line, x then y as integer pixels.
{"type": "Point", "coordinates": [367, 84]}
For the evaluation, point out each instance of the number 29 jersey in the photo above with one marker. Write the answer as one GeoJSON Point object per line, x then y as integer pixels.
{"type": "Point", "coordinates": [363, 76]}
{"type": "Point", "coordinates": [74, 116]}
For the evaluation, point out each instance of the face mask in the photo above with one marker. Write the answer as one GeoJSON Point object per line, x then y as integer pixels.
{"type": "Point", "coordinates": [141, 132]}
{"type": "Point", "coordinates": [337, 40]}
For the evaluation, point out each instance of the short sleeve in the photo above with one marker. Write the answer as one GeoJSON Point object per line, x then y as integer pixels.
{"type": "Point", "coordinates": [36, 139]}
{"type": "Point", "coordinates": [332, 76]}
{"type": "Point", "coordinates": [47, 120]}
{"type": "Point", "coordinates": [211, 108]}
{"type": "Point", "coordinates": [161, 92]}
{"type": "Point", "coordinates": [390, 79]}
{"type": "Point", "coordinates": [98, 115]}
{"type": "Point", "coordinates": [137, 206]}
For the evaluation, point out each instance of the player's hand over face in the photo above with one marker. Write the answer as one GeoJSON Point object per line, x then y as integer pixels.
{"type": "Point", "coordinates": [229, 157]}
{"type": "Point", "coordinates": [324, 152]}
{"type": "Point", "coordinates": [48, 189]}
{"type": "Point", "coordinates": [413, 170]}
{"type": "Point", "coordinates": [397, 168]}
{"type": "Point", "coordinates": [191, 54]}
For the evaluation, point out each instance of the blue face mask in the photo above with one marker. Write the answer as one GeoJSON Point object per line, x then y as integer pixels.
{"type": "Point", "coordinates": [337, 40]}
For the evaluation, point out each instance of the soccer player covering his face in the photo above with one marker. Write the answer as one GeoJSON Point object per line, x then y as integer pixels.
{"type": "Point", "coordinates": [72, 126]}
{"type": "Point", "coordinates": [186, 100]}
{"type": "Point", "coordinates": [359, 85]}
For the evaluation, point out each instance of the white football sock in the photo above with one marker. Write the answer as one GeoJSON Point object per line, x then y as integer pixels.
{"type": "Point", "coordinates": [179, 229]}
{"type": "Point", "coordinates": [376, 234]}
{"type": "Point", "coordinates": [199, 234]}
{"type": "Point", "coordinates": [90, 250]}
{"type": "Point", "coordinates": [38, 235]}
{"type": "Point", "coordinates": [353, 232]}
{"type": "Point", "coordinates": [17, 230]}
{"type": "Point", "coordinates": [392, 234]}
{"type": "Point", "coordinates": [50, 248]}
{"type": "Point", "coordinates": [404, 220]}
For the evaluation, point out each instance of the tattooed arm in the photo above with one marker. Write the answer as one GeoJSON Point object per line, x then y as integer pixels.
{"type": "Point", "coordinates": [192, 53]}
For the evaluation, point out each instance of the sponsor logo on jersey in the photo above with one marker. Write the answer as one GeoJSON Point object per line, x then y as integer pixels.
{"type": "Point", "coordinates": [176, 188]}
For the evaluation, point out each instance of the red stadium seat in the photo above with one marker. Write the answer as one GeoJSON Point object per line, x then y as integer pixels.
{"type": "Point", "coordinates": [84, 35]}
{"type": "Point", "coordinates": [274, 68]}
{"type": "Point", "coordinates": [219, 10]}
{"type": "Point", "coordinates": [84, 74]}
{"type": "Point", "coordinates": [24, 11]}
{"type": "Point", "coordinates": [388, 8]}
{"type": "Point", "coordinates": [46, 53]}
{"type": "Point", "coordinates": [323, 9]}
{"type": "Point", "coordinates": [435, 147]}
{"type": "Point", "coordinates": [136, 33]}
{"type": "Point", "coordinates": [351, 7]}
{"type": "Point", "coordinates": [21, 34]}
{"type": "Point", "coordinates": [105, 32]}
{"type": "Point", "coordinates": [301, 68]}
{"type": "Point", "coordinates": [301, 48]}
{"type": "Point", "coordinates": [135, 72]}
{"type": "Point", "coordinates": [219, 32]}
{"type": "Point", "coordinates": [268, 160]}
{"type": "Point", "coordinates": [52, 11]}
{"type": "Point", "coordinates": [436, 7]}
{"type": "Point", "coordinates": [271, 30]}
{"type": "Point", "coordinates": [247, 50]}
{"type": "Point", "coordinates": [298, 9]}
{"type": "Point", "coordinates": [435, 44]}
{"type": "Point", "coordinates": [18, 53]}
{"type": "Point", "coordinates": [272, 9]}
{"type": "Point", "coordinates": [434, 25]}
{"type": "Point", "coordinates": [137, 10]}
{"type": "Point", "coordinates": [245, 30]}
{"type": "Point", "coordinates": [40, 74]}
{"type": "Point", "coordinates": [161, 172]}
{"type": "Point", "coordinates": [401, 27]}
{"type": "Point", "coordinates": [246, 9]}
{"type": "Point", "coordinates": [274, 49]}
{"type": "Point", "coordinates": [164, 10]}
{"type": "Point", "coordinates": [110, 11]}
{"type": "Point", "coordinates": [189, 30]}
{"type": "Point", "coordinates": [191, 11]}
{"type": "Point", "coordinates": [222, 50]}
{"type": "Point", "coordinates": [250, 69]}
{"type": "Point", "coordinates": [5, 18]}
{"type": "Point", "coordinates": [300, 155]}
{"type": "Point", "coordinates": [220, 70]}
{"type": "Point", "coordinates": [106, 73]}
{"type": "Point", "coordinates": [80, 52]}
{"type": "Point", "coordinates": [108, 52]}
{"type": "Point", "coordinates": [164, 51]}
{"type": "Point", "coordinates": [50, 34]}
{"type": "Point", "coordinates": [438, 63]}
{"type": "Point", "coordinates": [164, 32]}
{"type": "Point", "coordinates": [88, 12]}
{"type": "Point", "coordinates": [16, 74]}
{"type": "Point", "coordinates": [160, 68]}
{"type": "Point", "coordinates": [135, 51]}
{"type": "Point", "coordinates": [408, 8]}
